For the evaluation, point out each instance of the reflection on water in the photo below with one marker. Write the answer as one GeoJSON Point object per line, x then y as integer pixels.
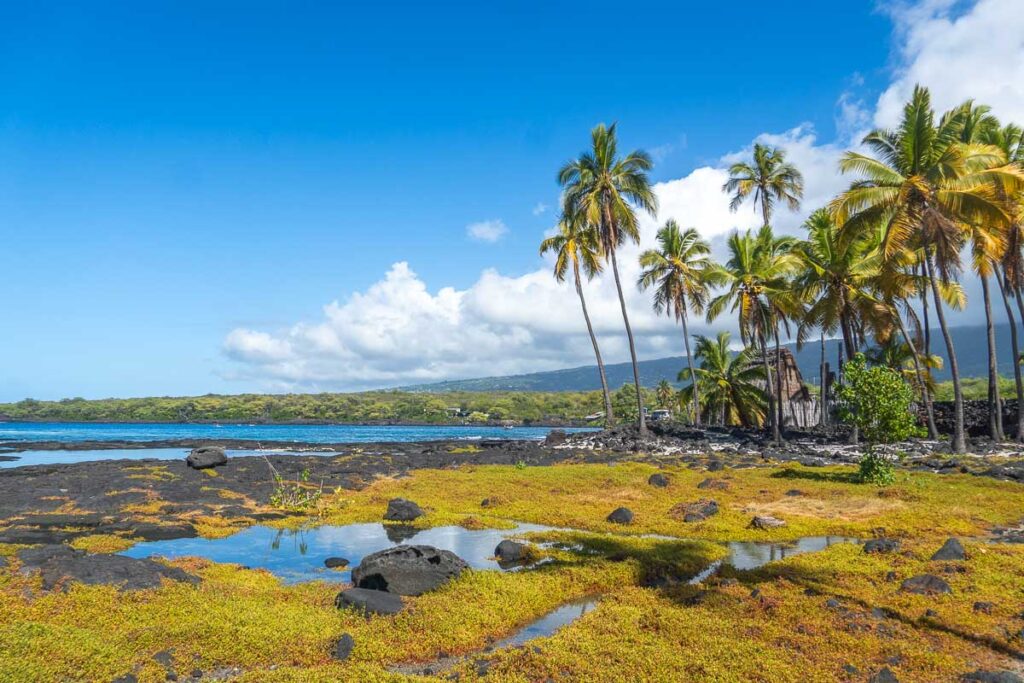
{"type": "Point", "coordinates": [298, 555]}
{"type": "Point", "coordinates": [549, 623]}
{"type": "Point", "coordinates": [751, 554]}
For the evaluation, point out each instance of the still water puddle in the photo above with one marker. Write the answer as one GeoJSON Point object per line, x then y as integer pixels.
{"type": "Point", "coordinates": [297, 555]}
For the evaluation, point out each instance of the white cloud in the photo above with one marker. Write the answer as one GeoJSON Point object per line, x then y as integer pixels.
{"type": "Point", "coordinates": [974, 53]}
{"type": "Point", "coordinates": [398, 331]}
{"type": "Point", "coordinates": [487, 231]}
{"type": "Point", "coordinates": [539, 208]}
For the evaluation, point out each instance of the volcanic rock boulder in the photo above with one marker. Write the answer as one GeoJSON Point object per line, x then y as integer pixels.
{"type": "Point", "coordinates": [369, 601]}
{"type": "Point", "coordinates": [402, 510]}
{"type": "Point", "coordinates": [408, 569]}
{"type": "Point", "coordinates": [206, 457]}
{"type": "Point", "coordinates": [695, 512]}
{"type": "Point", "coordinates": [510, 552]}
{"type": "Point", "coordinates": [952, 549]}
{"type": "Point", "coordinates": [925, 584]}
{"type": "Point", "coordinates": [765, 522]}
{"type": "Point", "coordinates": [659, 480]}
{"type": "Point", "coordinates": [621, 516]}
{"type": "Point", "coordinates": [881, 545]}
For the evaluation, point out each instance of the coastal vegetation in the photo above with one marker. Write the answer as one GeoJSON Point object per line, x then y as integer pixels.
{"type": "Point", "coordinates": [877, 262]}
{"type": "Point", "coordinates": [807, 617]}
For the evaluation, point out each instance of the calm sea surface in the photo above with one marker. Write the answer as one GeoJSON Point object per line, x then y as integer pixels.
{"type": "Point", "coordinates": [73, 432]}
{"type": "Point", "coordinates": [93, 431]}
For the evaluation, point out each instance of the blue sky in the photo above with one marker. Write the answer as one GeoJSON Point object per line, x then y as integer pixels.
{"type": "Point", "coordinates": [174, 172]}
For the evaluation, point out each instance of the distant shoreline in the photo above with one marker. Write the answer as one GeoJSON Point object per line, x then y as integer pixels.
{"type": "Point", "coordinates": [554, 424]}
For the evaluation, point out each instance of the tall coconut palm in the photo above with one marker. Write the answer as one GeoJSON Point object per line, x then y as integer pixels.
{"type": "Point", "coordinates": [664, 392]}
{"type": "Point", "coordinates": [605, 189]}
{"type": "Point", "coordinates": [729, 383]}
{"type": "Point", "coordinates": [576, 246]}
{"type": "Point", "coordinates": [1010, 139]}
{"type": "Point", "coordinates": [769, 178]}
{"type": "Point", "coordinates": [758, 289]}
{"type": "Point", "coordinates": [925, 186]}
{"type": "Point", "coordinates": [676, 270]}
{"type": "Point", "coordinates": [988, 245]}
{"type": "Point", "coordinates": [834, 277]}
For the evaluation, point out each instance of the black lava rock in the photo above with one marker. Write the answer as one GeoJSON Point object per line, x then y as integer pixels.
{"type": "Point", "coordinates": [952, 549]}
{"type": "Point", "coordinates": [402, 510]}
{"type": "Point", "coordinates": [621, 516]}
{"type": "Point", "coordinates": [206, 457]}
{"type": "Point", "coordinates": [408, 569]}
{"type": "Point", "coordinates": [369, 601]}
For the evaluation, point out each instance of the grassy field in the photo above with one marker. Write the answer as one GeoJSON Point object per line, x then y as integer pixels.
{"type": "Point", "coordinates": [774, 624]}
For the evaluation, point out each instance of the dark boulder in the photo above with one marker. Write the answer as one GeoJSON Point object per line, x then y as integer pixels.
{"type": "Point", "coordinates": [408, 569]}
{"type": "Point", "coordinates": [952, 549]}
{"type": "Point", "coordinates": [511, 551]}
{"type": "Point", "coordinates": [556, 437]}
{"type": "Point", "coordinates": [925, 584]}
{"type": "Point", "coordinates": [992, 677]}
{"type": "Point", "coordinates": [765, 522]}
{"type": "Point", "coordinates": [402, 510]}
{"type": "Point", "coordinates": [884, 676]}
{"type": "Point", "coordinates": [60, 564]}
{"type": "Point", "coordinates": [715, 484]}
{"type": "Point", "coordinates": [695, 512]}
{"type": "Point", "coordinates": [881, 545]}
{"type": "Point", "coordinates": [343, 648]}
{"type": "Point", "coordinates": [335, 562]}
{"type": "Point", "coordinates": [658, 480]}
{"type": "Point", "coordinates": [369, 601]}
{"type": "Point", "coordinates": [621, 516]}
{"type": "Point", "coordinates": [206, 457]}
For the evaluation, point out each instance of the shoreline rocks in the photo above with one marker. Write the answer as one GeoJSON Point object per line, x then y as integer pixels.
{"type": "Point", "coordinates": [402, 510]}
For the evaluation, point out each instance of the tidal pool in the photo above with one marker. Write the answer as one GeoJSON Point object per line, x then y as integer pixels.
{"type": "Point", "coordinates": [297, 555]}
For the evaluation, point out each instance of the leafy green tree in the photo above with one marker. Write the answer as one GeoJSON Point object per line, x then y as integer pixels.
{"type": "Point", "coordinates": [877, 401]}
{"type": "Point", "coordinates": [601, 188]}
{"type": "Point", "coordinates": [676, 270]}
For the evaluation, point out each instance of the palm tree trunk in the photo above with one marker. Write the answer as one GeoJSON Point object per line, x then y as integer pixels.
{"type": "Point", "coordinates": [959, 444]}
{"type": "Point", "coordinates": [609, 417]}
{"type": "Point", "coordinates": [822, 386]}
{"type": "Point", "coordinates": [640, 422]}
{"type": "Point", "coordinates": [768, 389]}
{"type": "Point", "coordinates": [995, 408]}
{"type": "Point", "coordinates": [1019, 434]}
{"type": "Point", "coordinates": [927, 327]}
{"type": "Point", "coordinates": [693, 377]}
{"type": "Point", "coordinates": [780, 405]}
{"type": "Point", "coordinates": [933, 431]}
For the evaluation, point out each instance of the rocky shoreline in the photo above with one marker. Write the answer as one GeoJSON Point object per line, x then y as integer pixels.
{"type": "Point", "coordinates": [31, 495]}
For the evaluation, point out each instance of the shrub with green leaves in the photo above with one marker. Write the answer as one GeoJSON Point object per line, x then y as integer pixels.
{"type": "Point", "coordinates": [877, 400]}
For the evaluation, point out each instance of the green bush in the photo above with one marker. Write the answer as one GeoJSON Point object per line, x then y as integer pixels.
{"type": "Point", "coordinates": [877, 401]}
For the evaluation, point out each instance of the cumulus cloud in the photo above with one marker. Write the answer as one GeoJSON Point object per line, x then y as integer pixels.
{"type": "Point", "coordinates": [539, 208]}
{"type": "Point", "coordinates": [398, 331]}
{"type": "Point", "coordinates": [487, 231]}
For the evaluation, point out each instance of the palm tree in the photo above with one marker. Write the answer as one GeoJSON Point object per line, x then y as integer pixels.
{"type": "Point", "coordinates": [769, 179]}
{"type": "Point", "coordinates": [602, 189]}
{"type": "Point", "coordinates": [575, 244]}
{"type": "Point", "coordinates": [676, 270]}
{"type": "Point", "coordinates": [665, 393]}
{"type": "Point", "coordinates": [834, 277]}
{"type": "Point", "coordinates": [925, 186]}
{"type": "Point", "coordinates": [758, 290]}
{"type": "Point", "coordinates": [1010, 139]}
{"type": "Point", "coordinates": [988, 244]}
{"type": "Point", "coordinates": [730, 384]}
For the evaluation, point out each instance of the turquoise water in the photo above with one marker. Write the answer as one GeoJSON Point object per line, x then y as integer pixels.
{"type": "Point", "coordinates": [113, 431]}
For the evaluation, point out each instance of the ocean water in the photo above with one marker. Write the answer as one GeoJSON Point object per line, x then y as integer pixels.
{"type": "Point", "coordinates": [116, 431]}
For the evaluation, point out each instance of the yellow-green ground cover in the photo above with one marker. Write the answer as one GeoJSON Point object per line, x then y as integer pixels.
{"type": "Point", "coordinates": [722, 631]}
